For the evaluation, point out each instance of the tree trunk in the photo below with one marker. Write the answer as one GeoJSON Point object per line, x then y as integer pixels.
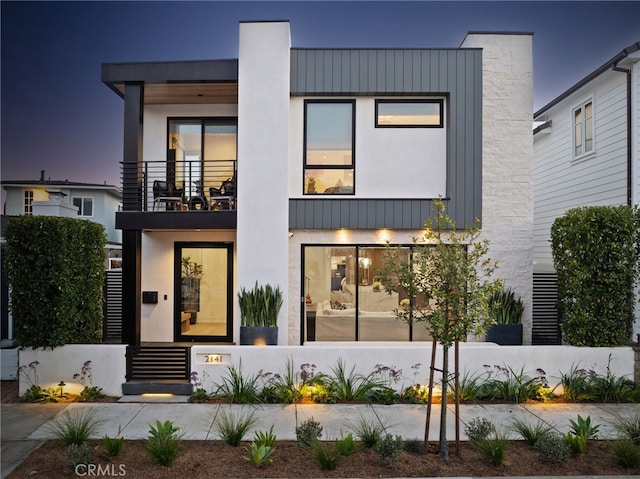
{"type": "Point", "coordinates": [434, 346]}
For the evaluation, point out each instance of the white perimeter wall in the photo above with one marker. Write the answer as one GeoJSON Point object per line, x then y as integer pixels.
{"type": "Point", "coordinates": [109, 368]}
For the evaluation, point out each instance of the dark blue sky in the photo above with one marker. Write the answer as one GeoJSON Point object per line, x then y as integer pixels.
{"type": "Point", "coordinates": [58, 116]}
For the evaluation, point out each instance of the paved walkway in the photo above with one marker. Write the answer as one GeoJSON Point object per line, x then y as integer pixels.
{"type": "Point", "coordinates": [26, 426]}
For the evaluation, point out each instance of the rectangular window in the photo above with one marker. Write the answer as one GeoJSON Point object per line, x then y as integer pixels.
{"type": "Point", "coordinates": [201, 159]}
{"type": "Point", "coordinates": [583, 129]}
{"type": "Point", "coordinates": [28, 202]}
{"type": "Point", "coordinates": [329, 147]}
{"type": "Point", "coordinates": [345, 301]}
{"type": "Point", "coordinates": [84, 204]}
{"type": "Point", "coordinates": [409, 114]}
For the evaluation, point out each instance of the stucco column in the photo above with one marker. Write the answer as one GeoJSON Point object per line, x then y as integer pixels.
{"type": "Point", "coordinates": [263, 197]}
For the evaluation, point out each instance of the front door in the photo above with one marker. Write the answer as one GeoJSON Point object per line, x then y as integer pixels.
{"type": "Point", "coordinates": [203, 309]}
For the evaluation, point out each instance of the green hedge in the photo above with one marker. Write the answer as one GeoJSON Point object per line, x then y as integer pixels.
{"type": "Point", "coordinates": [596, 253]}
{"type": "Point", "coordinates": [55, 268]}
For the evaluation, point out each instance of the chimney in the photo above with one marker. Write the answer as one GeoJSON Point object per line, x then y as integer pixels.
{"type": "Point", "coordinates": [41, 176]}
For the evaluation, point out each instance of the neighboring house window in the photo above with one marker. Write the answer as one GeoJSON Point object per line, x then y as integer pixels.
{"type": "Point", "coordinates": [583, 129]}
{"type": "Point", "coordinates": [28, 201]}
{"type": "Point", "coordinates": [409, 114]}
{"type": "Point", "coordinates": [85, 205]}
{"type": "Point", "coordinates": [329, 147]}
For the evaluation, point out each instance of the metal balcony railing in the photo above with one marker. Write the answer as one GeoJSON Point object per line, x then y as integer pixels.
{"type": "Point", "coordinates": [180, 185]}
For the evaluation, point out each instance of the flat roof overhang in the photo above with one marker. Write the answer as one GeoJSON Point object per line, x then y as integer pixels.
{"type": "Point", "coordinates": [188, 82]}
{"type": "Point", "coordinates": [176, 220]}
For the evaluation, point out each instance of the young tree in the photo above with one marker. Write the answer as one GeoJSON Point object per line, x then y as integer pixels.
{"type": "Point", "coordinates": [447, 279]}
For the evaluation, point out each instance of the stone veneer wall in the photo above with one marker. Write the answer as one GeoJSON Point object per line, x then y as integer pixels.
{"type": "Point", "coordinates": [507, 153]}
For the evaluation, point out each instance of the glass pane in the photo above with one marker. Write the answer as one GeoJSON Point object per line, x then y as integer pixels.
{"type": "Point", "coordinates": [578, 132]}
{"type": "Point", "coordinates": [329, 134]}
{"type": "Point", "coordinates": [409, 114]}
{"type": "Point", "coordinates": [220, 154]}
{"type": "Point", "coordinates": [329, 292]}
{"type": "Point", "coordinates": [204, 292]}
{"type": "Point", "coordinates": [377, 320]}
{"type": "Point", "coordinates": [185, 138]}
{"type": "Point", "coordinates": [330, 182]}
{"type": "Point", "coordinates": [87, 209]}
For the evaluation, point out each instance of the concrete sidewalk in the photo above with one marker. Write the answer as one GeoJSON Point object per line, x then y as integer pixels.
{"type": "Point", "coordinates": [26, 426]}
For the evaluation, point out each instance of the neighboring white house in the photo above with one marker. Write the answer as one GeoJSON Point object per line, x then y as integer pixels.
{"type": "Point", "coordinates": [587, 148]}
{"type": "Point", "coordinates": [93, 202]}
{"type": "Point", "coordinates": [330, 153]}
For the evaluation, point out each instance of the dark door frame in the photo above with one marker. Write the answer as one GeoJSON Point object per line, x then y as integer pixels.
{"type": "Point", "coordinates": [177, 283]}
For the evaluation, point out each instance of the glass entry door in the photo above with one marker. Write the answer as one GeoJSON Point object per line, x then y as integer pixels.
{"type": "Point", "coordinates": [203, 308]}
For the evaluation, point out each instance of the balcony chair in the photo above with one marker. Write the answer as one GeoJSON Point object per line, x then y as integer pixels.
{"type": "Point", "coordinates": [167, 193]}
{"type": "Point", "coordinates": [223, 197]}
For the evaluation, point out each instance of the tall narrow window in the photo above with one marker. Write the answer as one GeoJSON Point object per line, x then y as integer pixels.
{"type": "Point", "coordinates": [28, 200]}
{"type": "Point", "coordinates": [329, 147]}
{"type": "Point", "coordinates": [583, 129]}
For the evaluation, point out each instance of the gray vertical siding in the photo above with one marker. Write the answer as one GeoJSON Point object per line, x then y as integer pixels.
{"type": "Point", "coordinates": [456, 73]}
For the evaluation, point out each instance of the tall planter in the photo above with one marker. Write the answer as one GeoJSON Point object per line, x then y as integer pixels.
{"type": "Point", "coordinates": [259, 309]}
{"type": "Point", "coordinates": [259, 335]}
{"type": "Point", "coordinates": [505, 334]}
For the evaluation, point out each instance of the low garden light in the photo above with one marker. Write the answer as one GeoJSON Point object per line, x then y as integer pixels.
{"type": "Point", "coordinates": [61, 385]}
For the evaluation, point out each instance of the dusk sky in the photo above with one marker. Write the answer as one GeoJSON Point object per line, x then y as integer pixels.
{"type": "Point", "coordinates": [58, 116]}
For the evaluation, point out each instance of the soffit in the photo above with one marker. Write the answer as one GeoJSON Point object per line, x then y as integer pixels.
{"type": "Point", "coordinates": [188, 93]}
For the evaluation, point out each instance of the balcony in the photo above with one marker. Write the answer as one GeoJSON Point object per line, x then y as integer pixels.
{"type": "Point", "coordinates": [179, 194]}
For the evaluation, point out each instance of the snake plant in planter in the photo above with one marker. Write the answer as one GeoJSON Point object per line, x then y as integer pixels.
{"type": "Point", "coordinates": [259, 309]}
{"type": "Point", "coordinates": [507, 311]}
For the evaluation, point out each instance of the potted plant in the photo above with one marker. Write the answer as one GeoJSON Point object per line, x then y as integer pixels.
{"type": "Point", "coordinates": [506, 310]}
{"type": "Point", "coordinates": [259, 309]}
{"type": "Point", "coordinates": [191, 275]}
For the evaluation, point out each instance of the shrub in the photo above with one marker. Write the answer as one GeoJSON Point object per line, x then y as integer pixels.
{"type": "Point", "coordinates": [260, 454]}
{"type": "Point", "coordinates": [413, 446]}
{"type": "Point", "coordinates": [164, 442]}
{"type": "Point", "coordinates": [113, 445]}
{"type": "Point", "coordinates": [89, 391]}
{"type": "Point", "coordinates": [629, 427]}
{"type": "Point", "coordinates": [627, 453]}
{"type": "Point", "coordinates": [583, 426]}
{"type": "Point", "coordinates": [388, 449]}
{"type": "Point", "coordinates": [493, 448]}
{"type": "Point", "coordinates": [350, 386]}
{"type": "Point", "coordinates": [262, 438]}
{"type": "Point", "coordinates": [308, 432]}
{"type": "Point", "coordinates": [369, 431]}
{"type": "Point", "coordinates": [232, 428]}
{"type": "Point", "coordinates": [530, 433]}
{"type": "Point", "coordinates": [553, 447]}
{"type": "Point", "coordinates": [50, 305]}
{"type": "Point", "coordinates": [326, 455]}
{"type": "Point", "coordinates": [479, 428]}
{"type": "Point", "coordinates": [76, 427]}
{"type": "Point", "coordinates": [577, 442]}
{"type": "Point", "coordinates": [237, 388]}
{"type": "Point", "coordinates": [346, 446]}
{"type": "Point", "coordinates": [80, 454]}
{"type": "Point", "coordinates": [596, 255]}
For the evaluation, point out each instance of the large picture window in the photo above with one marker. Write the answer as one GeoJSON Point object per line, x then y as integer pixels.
{"type": "Point", "coordinates": [344, 300]}
{"type": "Point", "coordinates": [583, 129]}
{"type": "Point", "coordinates": [329, 147]}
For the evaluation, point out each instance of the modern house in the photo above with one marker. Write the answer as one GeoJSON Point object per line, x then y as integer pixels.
{"type": "Point", "coordinates": [47, 197]}
{"type": "Point", "coordinates": [587, 149]}
{"type": "Point", "coordinates": [295, 167]}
